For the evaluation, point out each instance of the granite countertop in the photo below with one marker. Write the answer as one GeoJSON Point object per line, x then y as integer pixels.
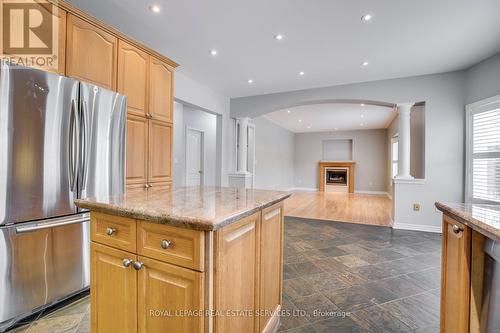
{"type": "Point", "coordinates": [482, 218]}
{"type": "Point", "coordinates": [200, 208]}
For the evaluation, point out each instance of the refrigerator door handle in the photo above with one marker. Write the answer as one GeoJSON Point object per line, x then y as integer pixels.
{"type": "Point", "coordinates": [84, 144]}
{"type": "Point", "coordinates": [74, 126]}
{"type": "Point", "coordinates": [52, 224]}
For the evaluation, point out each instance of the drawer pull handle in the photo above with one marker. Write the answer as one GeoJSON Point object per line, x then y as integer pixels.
{"type": "Point", "coordinates": [138, 265]}
{"type": "Point", "coordinates": [165, 244]}
{"type": "Point", "coordinates": [456, 229]}
{"type": "Point", "coordinates": [110, 231]}
{"type": "Point", "coordinates": [127, 262]}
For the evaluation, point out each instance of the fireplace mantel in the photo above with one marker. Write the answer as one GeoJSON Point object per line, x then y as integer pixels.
{"type": "Point", "coordinates": [341, 164]}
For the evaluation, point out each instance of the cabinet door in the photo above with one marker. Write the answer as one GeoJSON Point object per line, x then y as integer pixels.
{"type": "Point", "coordinates": [455, 279]}
{"type": "Point", "coordinates": [236, 275]}
{"type": "Point", "coordinates": [271, 256]}
{"type": "Point", "coordinates": [91, 53]}
{"type": "Point", "coordinates": [113, 290]}
{"type": "Point", "coordinates": [161, 90]}
{"type": "Point", "coordinates": [133, 67]}
{"type": "Point", "coordinates": [137, 150]}
{"type": "Point", "coordinates": [160, 151]}
{"type": "Point", "coordinates": [52, 62]}
{"type": "Point", "coordinates": [169, 298]}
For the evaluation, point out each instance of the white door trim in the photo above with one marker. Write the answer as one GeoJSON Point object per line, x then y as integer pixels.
{"type": "Point", "coordinates": [202, 154]}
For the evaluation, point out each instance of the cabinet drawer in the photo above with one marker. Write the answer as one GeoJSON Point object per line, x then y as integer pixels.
{"type": "Point", "coordinates": [114, 231]}
{"type": "Point", "coordinates": [178, 246]}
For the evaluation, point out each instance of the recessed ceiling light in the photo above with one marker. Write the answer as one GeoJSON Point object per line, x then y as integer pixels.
{"type": "Point", "coordinates": [366, 17]}
{"type": "Point", "coordinates": [308, 127]}
{"type": "Point", "coordinates": [365, 63]}
{"type": "Point", "coordinates": [300, 120]}
{"type": "Point", "coordinates": [250, 81]}
{"type": "Point", "coordinates": [278, 36]}
{"type": "Point", "coordinates": [362, 104]}
{"type": "Point", "coordinates": [288, 111]}
{"type": "Point", "coordinates": [154, 8]}
{"type": "Point", "coordinates": [301, 73]}
{"type": "Point", "coordinates": [213, 52]}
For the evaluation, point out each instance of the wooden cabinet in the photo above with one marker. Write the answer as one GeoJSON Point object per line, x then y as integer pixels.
{"type": "Point", "coordinates": [113, 290]}
{"type": "Point", "coordinates": [133, 69]}
{"type": "Point", "coordinates": [455, 278]}
{"type": "Point", "coordinates": [160, 151]}
{"type": "Point", "coordinates": [237, 275]}
{"type": "Point", "coordinates": [271, 268]}
{"type": "Point", "coordinates": [149, 151]}
{"type": "Point", "coordinates": [137, 150]}
{"type": "Point", "coordinates": [178, 275]}
{"type": "Point", "coordinates": [91, 53]}
{"type": "Point", "coordinates": [160, 90]}
{"type": "Point", "coordinates": [165, 287]}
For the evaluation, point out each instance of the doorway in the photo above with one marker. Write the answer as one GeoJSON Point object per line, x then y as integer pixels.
{"type": "Point", "coordinates": [194, 157]}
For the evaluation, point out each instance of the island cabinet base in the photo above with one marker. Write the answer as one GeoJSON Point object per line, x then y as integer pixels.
{"type": "Point", "coordinates": [461, 278]}
{"type": "Point", "coordinates": [149, 277]}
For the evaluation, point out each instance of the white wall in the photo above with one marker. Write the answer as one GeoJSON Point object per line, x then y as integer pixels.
{"type": "Point", "coordinates": [483, 80]}
{"type": "Point", "coordinates": [368, 151]}
{"type": "Point", "coordinates": [186, 116]}
{"type": "Point", "coordinates": [444, 154]}
{"type": "Point", "coordinates": [190, 92]}
{"type": "Point", "coordinates": [274, 151]}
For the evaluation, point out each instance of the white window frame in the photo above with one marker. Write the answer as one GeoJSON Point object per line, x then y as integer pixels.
{"type": "Point", "coordinates": [394, 140]}
{"type": "Point", "coordinates": [471, 109]}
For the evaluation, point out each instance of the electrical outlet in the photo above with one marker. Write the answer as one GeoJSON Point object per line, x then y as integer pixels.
{"type": "Point", "coordinates": [416, 207]}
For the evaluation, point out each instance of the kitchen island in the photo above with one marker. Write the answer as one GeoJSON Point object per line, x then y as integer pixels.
{"type": "Point", "coordinates": [469, 233]}
{"type": "Point", "coordinates": [193, 259]}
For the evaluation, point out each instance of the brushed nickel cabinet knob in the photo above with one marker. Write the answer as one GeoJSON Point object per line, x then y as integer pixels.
{"type": "Point", "coordinates": [165, 244]}
{"type": "Point", "coordinates": [110, 231]}
{"type": "Point", "coordinates": [457, 229]}
{"type": "Point", "coordinates": [138, 265]}
{"type": "Point", "coordinates": [127, 262]}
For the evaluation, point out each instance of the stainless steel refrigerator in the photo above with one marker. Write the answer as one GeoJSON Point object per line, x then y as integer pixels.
{"type": "Point", "coordinates": [60, 139]}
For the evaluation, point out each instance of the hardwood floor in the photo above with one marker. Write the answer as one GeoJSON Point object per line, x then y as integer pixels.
{"type": "Point", "coordinates": [341, 207]}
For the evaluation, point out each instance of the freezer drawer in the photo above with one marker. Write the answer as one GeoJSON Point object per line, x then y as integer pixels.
{"type": "Point", "coordinates": [41, 263]}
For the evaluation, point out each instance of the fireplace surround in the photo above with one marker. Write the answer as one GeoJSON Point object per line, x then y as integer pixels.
{"type": "Point", "coordinates": [336, 176]}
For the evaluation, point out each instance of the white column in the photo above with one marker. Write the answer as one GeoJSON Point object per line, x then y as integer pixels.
{"type": "Point", "coordinates": [243, 145]}
{"type": "Point", "coordinates": [404, 141]}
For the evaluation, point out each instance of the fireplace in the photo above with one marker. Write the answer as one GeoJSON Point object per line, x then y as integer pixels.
{"type": "Point", "coordinates": [336, 176]}
{"type": "Point", "coordinates": [336, 179]}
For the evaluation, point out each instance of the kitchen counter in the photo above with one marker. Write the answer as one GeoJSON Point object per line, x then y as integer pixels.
{"type": "Point", "coordinates": [201, 253]}
{"type": "Point", "coordinates": [485, 219]}
{"type": "Point", "coordinates": [199, 208]}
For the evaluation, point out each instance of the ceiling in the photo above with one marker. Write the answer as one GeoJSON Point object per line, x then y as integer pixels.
{"type": "Point", "coordinates": [332, 117]}
{"type": "Point", "coordinates": [324, 38]}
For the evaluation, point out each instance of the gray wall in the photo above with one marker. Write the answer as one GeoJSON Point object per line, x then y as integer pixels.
{"type": "Point", "coordinates": [274, 153]}
{"type": "Point", "coordinates": [188, 116]}
{"type": "Point", "coordinates": [483, 80]}
{"type": "Point", "coordinates": [444, 97]}
{"type": "Point", "coordinates": [368, 151]}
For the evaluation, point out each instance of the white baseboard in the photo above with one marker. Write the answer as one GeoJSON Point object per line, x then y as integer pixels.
{"type": "Point", "coordinates": [417, 227]}
{"type": "Point", "coordinates": [373, 192]}
{"type": "Point", "coordinates": [309, 189]}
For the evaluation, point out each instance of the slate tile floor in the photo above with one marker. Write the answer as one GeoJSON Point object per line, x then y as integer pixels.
{"type": "Point", "coordinates": [338, 277]}
{"type": "Point", "coordinates": [341, 277]}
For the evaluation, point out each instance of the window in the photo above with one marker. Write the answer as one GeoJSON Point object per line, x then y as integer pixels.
{"type": "Point", "coordinates": [483, 151]}
{"type": "Point", "coordinates": [394, 154]}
